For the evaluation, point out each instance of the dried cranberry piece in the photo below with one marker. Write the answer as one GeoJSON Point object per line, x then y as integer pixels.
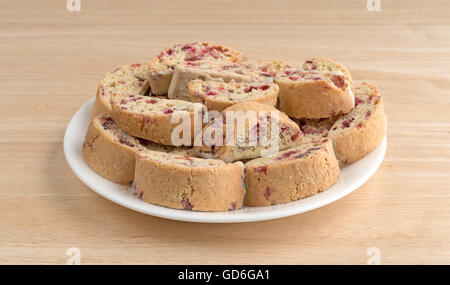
{"type": "Point", "coordinates": [249, 89]}
{"type": "Point", "coordinates": [211, 93]}
{"type": "Point", "coordinates": [232, 206]}
{"type": "Point", "coordinates": [338, 80]}
{"type": "Point", "coordinates": [295, 136]}
{"type": "Point", "coordinates": [286, 155]}
{"type": "Point", "coordinates": [262, 169]}
{"type": "Point", "coordinates": [368, 114]}
{"type": "Point", "coordinates": [186, 204]}
{"type": "Point", "coordinates": [168, 111]}
{"type": "Point", "coordinates": [193, 58]}
{"type": "Point", "coordinates": [151, 101]}
{"type": "Point", "coordinates": [267, 193]}
{"type": "Point", "coordinates": [124, 141]}
{"type": "Point", "coordinates": [358, 101]}
{"type": "Point", "coordinates": [186, 47]}
{"type": "Point", "coordinates": [345, 124]}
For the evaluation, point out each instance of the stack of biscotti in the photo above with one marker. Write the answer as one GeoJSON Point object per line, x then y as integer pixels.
{"type": "Point", "coordinates": [316, 118]}
{"type": "Point", "coordinates": [162, 66]}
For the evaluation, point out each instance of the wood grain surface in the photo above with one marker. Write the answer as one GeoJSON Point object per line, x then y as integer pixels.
{"type": "Point", "coordinates": [51, 61]}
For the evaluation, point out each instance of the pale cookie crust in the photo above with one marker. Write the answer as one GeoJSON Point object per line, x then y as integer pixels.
{"type": "Point", "coordinates": [291, 175]}
{"type": "Point", "coordinates": [162, 66]}
{"type": "Point", "coordinates": [150, 118]}
{"type": "Point", "coordinates": [128, 79]}
{"type": "Point", "coordinates": [363, 129]}
{"type": "Point", "coordinates": [319, 92]}
{"type": "Point", "coordinates": [189, 183]}
{"type": "Point", "coordinates": [289, 134]}
{"type": "Point", "coordinates": [219, 95]}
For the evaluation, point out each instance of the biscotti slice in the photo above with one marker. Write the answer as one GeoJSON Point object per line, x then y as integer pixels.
{"type": "Point", "coordinates": [162, 66]}
{"type": "Point", "coordinates": [151, 118]}
{"type": "Point", "coordinates": [220, 95]}
{"type": "Point", "coordinates": [109, 151]}
{"type": "Point", "coordinates": [291, 175]}
{"type": "Point", "coordinates": [323, 90]}
{"type": "Point", "coordinates": [359, 132]}
{"type": "Point", "coordinates": [256, 140]}
{"type": "Point", "coordinates": [211, 71]}
{"type": "Point", "coordinates": [188, 183]}
{"type": "Point", "coordinates": [128, 79]}
{"type": "Point", "coordinates": [275, 67]}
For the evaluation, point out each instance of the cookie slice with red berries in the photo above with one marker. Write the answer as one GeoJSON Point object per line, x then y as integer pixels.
{"type": "Point", "coordinates": [291, 175]}
{"type": "Point", "coordinates": [188, 183]}
{"type": "Point", "coordinates": [151, 118]}
{"type": "Point", "coordinates": [218, 96]}
{"type": "Point", "coordinates": [163, 65]}
{"type": "Point", "coordinates": [359, 132]}
{"type": "Point", "coordinates": [322, 89]}
{"type": "Point", "coordinates": [128, 79]}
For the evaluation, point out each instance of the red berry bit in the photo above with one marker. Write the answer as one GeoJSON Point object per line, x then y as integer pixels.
{"type": "Point", "coordinates": [232, 206]}
{"type": "Point", "coordinates": [295, 136]}
{"type": "Point", "coordinates": [186, 47]}
{"type": "Point", "coordinates": [211, 93]}
{"type": "Point", "coordinates": [151, 101]}
{"type": "Point", "coordinates": [267, 193]}
{"type": "Point", "coordinates": [310, 65]}
{"type": "Point", "coordinates": [168, 111]}
{"type": "Point", "coordinates": [358, 101]}
{"type": "Point", "coordinates": [338, 80]}
{"type": "Point", "coordinates": [123, 140]}
{"type": "Point", "coordinates": [262, 169]}
{"type": "Point", "coordinates": [250, 89]}
{"type": "Point", "coordinates": [346, 123]}
{"type": "Point", "coordinates": [186, 204]}
{"type": "Point", "coordinates": [368, 114]}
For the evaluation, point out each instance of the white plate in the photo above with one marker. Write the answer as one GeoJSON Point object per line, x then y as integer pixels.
{"type": "Point", "coordinates": [351, 178]}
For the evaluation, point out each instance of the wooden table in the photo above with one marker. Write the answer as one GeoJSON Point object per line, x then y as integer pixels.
{"type": "Point", "coordinates": [52, 60]}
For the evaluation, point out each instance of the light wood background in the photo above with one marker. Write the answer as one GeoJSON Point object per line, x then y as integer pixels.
{"type": "Point", "coordinates": [51, 61]}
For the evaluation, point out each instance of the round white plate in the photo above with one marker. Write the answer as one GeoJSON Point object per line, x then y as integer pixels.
{"type": "Point", "coordinates": [350, 179]}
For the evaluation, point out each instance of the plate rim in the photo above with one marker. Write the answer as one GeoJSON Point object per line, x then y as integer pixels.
{"type": "Point", "coordinates": [238, 216]}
